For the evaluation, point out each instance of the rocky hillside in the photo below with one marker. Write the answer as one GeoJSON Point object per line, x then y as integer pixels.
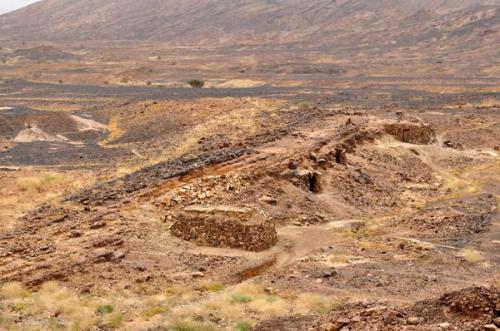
{"type": "Point", "coordinates": [314, 23]}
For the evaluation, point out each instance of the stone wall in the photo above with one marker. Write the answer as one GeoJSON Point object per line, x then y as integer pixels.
{"type": "Point", "coordinates": [219, 229]}
{"type": "Point", "coordinates": [413, 133]}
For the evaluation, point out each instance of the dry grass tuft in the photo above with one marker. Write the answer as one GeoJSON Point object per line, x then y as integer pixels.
{"type": "Point", "coordinates": [14, 291]}
{"type": "Point", "coordinates": [243, 326]}
{"type": "Point", "coordinates": [177, 308]}
{"type": "Point", "coordinates": [25, 189]}
{"type": "Point", "coordinates": [211, 287]}
{"type": "Point", "coordinates": [153, 311]}
{"type": "Point", "coordinates": [319, 304]}
{"type": "Point", "coordinates": [304, 106]}
{"type": "Point", "coordinates": [270, 306]}
{"type": "Point", "coordinates": [40, 183]}
{"type": "Point", "coordinates": [471, 255]}
{"type": "Point", "coordinates": [188, 325]}
{"type": "Point", "coordinates": [75, 313]}
{"type": "Point", "coordinates": [115, 131]}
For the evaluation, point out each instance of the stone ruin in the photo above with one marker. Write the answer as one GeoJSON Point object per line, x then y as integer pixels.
{"type": "Point", "coordinates": [307, 179]}
{"type": "Point", "coordinates": [412, 133]}
{"type": "Point", "coordinates": [225, 226]}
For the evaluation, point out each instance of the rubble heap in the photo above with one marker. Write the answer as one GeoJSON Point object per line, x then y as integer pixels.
{"type": "Point", "coordinates": [475, 308]}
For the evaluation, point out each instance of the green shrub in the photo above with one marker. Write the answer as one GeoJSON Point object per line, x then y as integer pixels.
{"type": "Point", "coordinates": [243, 326]}
{"type": "Point", "coordinates": [104, 309]}
{"type": "Point", "coordinates": [152, 311]}
{"type": "Point", "coordinates": [240, 298]}
{"type": "Point", "coordinates": [190, 326]}
{"type": "Point", "coordinates": [196, 83]}
{"type": "Point", "coordinates": [212, 287]}
{"type": "Point", "coordinates": [271, 298]}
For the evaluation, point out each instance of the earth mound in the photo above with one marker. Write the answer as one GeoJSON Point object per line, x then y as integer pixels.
{"type": "Point", "coordinates": [43, 53]}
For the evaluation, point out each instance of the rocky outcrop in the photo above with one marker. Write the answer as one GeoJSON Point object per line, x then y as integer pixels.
{"type": "Point", "coordinates": [474, 308]}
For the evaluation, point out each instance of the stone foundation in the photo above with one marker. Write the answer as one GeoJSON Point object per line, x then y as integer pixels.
{"type": "Point", "coordinates": [230, 227]}
{"type": "Point", "coordinates": [413, 133]}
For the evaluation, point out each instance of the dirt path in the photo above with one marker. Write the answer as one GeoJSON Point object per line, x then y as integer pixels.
{"type": "Point", "coordinates": [441, 137]}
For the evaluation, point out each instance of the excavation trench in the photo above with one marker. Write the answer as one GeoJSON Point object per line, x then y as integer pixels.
{"type": "Point", "coordinates": [254, 269]}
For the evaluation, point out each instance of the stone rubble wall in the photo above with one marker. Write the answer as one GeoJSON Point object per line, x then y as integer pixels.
{"type": "Point", "coordinates": [226, 232]}
{"type": "Point", "coordinates": [413, 133]}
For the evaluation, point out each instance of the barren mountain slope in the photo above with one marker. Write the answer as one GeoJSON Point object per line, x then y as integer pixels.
{"type": "Point", "coordinates": [256, 21]}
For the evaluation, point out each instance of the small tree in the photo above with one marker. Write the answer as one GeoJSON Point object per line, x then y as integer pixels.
{"type": "Point", "coordinates": [196, 83]}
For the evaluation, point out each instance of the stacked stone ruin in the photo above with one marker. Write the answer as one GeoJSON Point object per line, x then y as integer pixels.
{"type": "Point", "coordinates": [412, 133]}
{"type": "Point", "coordinates": [224, 226]}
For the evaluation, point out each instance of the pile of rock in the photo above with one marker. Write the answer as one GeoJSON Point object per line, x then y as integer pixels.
{"type": "Point", "coordinates": [203, 189]}
{"type": "Point", "coordinates": [453, 144]}
{"type": "Point", "coordinates": [455, 219]}
{"type": "Point", "coordinates": [225, 226]}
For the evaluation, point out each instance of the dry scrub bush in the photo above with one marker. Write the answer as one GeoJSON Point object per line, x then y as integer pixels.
{"type": "Point", "coordinates": [14, 291]}
{"type": "Point", "coordinates": [307, 303]}
{"type": "Point", "coordinates": [60, 301]}
{"type": "Point", "coordinates": [304, 106]}
{"type": "Point", "coordinates": [270, 306]}
{"type": "Point", "coordinates": [187, 325]}
{"type": "Point", "coordinates": [55, 307]}
{"type": "Point", "coordinates": [38, 184]}
{"type": "Point", "coordinates": [471, 255]}
{"type": "Point", "coordinates": [68, 310]}
{"type": "Point", "coordinates": [244, 326]}
{"type": "Point", "coordinates": [196, 83]}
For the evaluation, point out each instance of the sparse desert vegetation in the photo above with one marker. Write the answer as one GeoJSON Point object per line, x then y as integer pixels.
{"type": "Point", "coordinates": [489, 103]}
{"type": "Point", "coordinates": [25, 189]}
{"type": "Point", "coordinates": [304, 106]}
{"type": "Point", "coordinates": [471, 255]}
{"type": "Point", "coordinates": [38, 184]}
{"type": "Point", "coordinates": [173, 309]}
